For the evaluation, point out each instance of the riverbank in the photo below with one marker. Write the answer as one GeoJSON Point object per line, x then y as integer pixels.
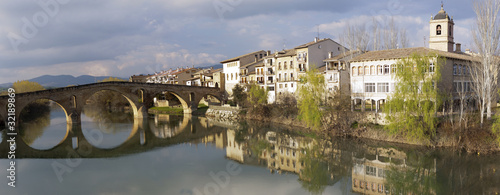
{"type": "Point", "coordinates": [473, 140]}
{"type": "Point", "coordinates": [177, 110]}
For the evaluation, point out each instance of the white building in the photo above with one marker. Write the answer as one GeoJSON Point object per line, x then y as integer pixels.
{"type": "Point", "coordinates": [231, 68]}
{"type": "Point", "coordinates": [372, 73]}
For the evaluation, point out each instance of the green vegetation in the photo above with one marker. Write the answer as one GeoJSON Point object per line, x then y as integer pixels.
{"type": "Point", "coordinates": [311, 94]}
{"type": "Point", "coordinates": [257, 96]}
{"type": "Point", "coordinates": [27, 86]}
{"type": "Point", "coordinates": [169, 110]}
{"type": "Point", "coordinates": [239, 95]}
{"type": "Point", "coordinates": [111, 79]}
{"type": "Point", "coordinates": [411, 109]}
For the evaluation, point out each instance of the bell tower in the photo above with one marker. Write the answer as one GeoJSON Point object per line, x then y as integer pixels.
{"type": "Point", "coordinates": [441, 31]}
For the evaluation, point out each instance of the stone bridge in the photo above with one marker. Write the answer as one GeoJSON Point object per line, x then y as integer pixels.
{"type": "Point", "coordinates": [139, 95]}
{"type": "Point", "coordinates": [143, 137]}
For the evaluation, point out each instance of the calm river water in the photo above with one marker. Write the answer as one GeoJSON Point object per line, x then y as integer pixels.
{"type": "Point", "coordinates": [111, 153]}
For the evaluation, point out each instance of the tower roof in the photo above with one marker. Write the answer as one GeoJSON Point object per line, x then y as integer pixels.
{"type": "Point", "coordinates": [441, 14]}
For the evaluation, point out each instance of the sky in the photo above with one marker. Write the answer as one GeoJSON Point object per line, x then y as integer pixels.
{"type": "Point", "coordinates": [126, 37]}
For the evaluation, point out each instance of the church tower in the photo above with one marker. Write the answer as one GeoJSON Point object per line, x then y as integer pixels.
{"type": "Point", "coordinates": [441, 32]}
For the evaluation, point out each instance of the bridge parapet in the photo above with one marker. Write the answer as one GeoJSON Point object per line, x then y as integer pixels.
{"type": "Point", "coordinates": [139, 95]}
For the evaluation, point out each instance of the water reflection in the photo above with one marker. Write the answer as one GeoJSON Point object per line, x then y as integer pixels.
{"type": "Point", "coordinates": [272, 153]}
{"type": "Point", "coordinates": [44, 126]}
{"type": "Point", "coordinates": [115, 127]}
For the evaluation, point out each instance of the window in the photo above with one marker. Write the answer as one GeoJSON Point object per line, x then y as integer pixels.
{"type": "Point", "coordinates": [372, 70]}
{"type": "Point", "coordinates": [379, 69]}
{"type": "Point", "coordinates": [360, 70]}
{"type": "Point", "coordinates": [450, 30]}
{"type": "Point", "coordinates": [454, 69]}
{"type": "Point", "coordinates": [381, 173]}
{"type": "Point", "coordinates": [464, 70]}
{"type": "Point", "coordinates": [291, 64]}
{"type": "Point", "coordinates": [291, 76]}
{"type": "Point", "coordinates": [281, 86]}
{"type": "Point", "coordinates": [386, 69]}
{"type": "Point", "coordinates": [279, 65]}
{"type": "Point", "coordinates": [438, 30]}
{"type": "Point", "coordinates": [286, 85]}
{"type": "Point", "coordinates": [370, 87]}
{"type": "Point", "coordinates": [383, 87]}
{"type": "Point", "coordinates": [459, 70]}
{"type": "Point", "coordinates": [354, 71]}
{"type": "Point", "coordinates": [393, 69]}
{"type": "Point", "coordinates": [371, 171]}
{"type": "Point", "coordinates": [291, 85]}
{"type": "Point", "coordinates": [432, 68]}
{"type": "Point", "coordinates": [367, 70]}
{"type": "Point", "coordinates": [284, 65]}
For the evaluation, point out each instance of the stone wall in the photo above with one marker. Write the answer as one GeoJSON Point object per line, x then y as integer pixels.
{"type": "Point", "coordinates": [375, 118]}
{"type": "Point", "coordinates": [223, 112]}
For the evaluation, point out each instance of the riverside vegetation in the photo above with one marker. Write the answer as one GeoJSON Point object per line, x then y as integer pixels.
{"type": "Point", "coordinates": [425, 118]}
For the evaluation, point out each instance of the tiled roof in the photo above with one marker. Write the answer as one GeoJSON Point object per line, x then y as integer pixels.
{"type": "Point", "coordinates": [343, 55]}
{"type": "Point", "coordinates": [312, 43]}
{"type": "Point", "coordinates": [261, 61]}
{"type": "Point", "coordinates": [407, 52]}
{"type": "Point", "coordinates": [242, 56]}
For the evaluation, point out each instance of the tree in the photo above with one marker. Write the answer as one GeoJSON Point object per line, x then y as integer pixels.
{"type": "Point", "coordinates": [239, 95]}
{"type": "Point", "coordinates": [486, 38]}
{"type": "Point", "coordinates": [311, 97]}
{"type": "Point", "coordinates": [27, 86]}
{"type": "Point", "coordinates": [338, 116]}
{"type": "Point", "coordinates": [412, 107]}
{"type": "Point", "coordinates": [111, 79]}
{"type": "Point", "coordinates": [257, 96]}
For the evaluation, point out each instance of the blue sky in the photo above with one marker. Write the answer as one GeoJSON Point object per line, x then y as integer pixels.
{"type": "Point", "coordinates": [125, 37]}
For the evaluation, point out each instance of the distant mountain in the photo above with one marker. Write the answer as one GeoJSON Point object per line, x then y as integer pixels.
{"type": "Point", "coordinates": [216, 66]}
{"type": "Point", "coordinates": [62, 80]}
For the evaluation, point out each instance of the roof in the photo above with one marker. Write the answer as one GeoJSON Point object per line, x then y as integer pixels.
{"type": "Point", "coordinates": [406, 52]}
{"type": "Point", "coordinates": [441, 14]}
{"type": "Point", "coordinates": [282, 53]}
{"type": "Point", "coordinates": [343, 55]}
{"type": "Point", "coordinates": [312, 43]}
{"type": "Point", "coordinates": [322, 69]}
{"type": "Point", "coordinates": [242, 56]}
{"type": "Point", "coordinates": [261, 61]}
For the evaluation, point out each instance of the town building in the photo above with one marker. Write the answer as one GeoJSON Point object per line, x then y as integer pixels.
{"type": "Point", "coordinates": [232, 71]}
{"type": "Point", "coordinates": [372, 73]}
{"type": "Point", "coordinates": [282, 70]}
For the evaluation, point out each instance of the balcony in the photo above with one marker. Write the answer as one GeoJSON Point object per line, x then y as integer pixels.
{"type": "Point", "coordinates": [301, 60]}
{"type": "Point", "coordinates": [270, 73]}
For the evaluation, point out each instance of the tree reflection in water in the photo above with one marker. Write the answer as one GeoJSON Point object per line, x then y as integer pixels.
{"type": "Point", "coordinates": [33, 120]}
{"type": "Point", "coordinates": [107, 119]}
{"type": "Point", "coordinates": [314, 176]}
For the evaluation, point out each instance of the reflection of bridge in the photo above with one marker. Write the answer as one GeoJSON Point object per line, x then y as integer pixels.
{"type": "Point", "coordinates": [77, 145]}
{"type": "Point", "coordinates": [139, 95]}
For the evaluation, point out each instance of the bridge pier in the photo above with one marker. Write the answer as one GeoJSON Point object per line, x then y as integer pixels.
{"type": "Point", "coordinates": [142, 112]}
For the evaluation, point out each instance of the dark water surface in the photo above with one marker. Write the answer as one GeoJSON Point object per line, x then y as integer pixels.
{"type": "Point", "coordinates": [113, 153]}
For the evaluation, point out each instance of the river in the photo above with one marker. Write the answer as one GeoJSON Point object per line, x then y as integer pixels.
{"type": "Point", "coordinates": [111, 153]}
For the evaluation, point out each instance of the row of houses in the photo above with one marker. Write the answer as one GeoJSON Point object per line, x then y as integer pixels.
{"type": "Point", "coordinates": [207, 77]}
{"type": "Point", "coordinates": [366, 76]}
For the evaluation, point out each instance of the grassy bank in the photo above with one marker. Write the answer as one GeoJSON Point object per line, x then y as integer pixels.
{"type": "Point", "coordinates": [202, 109]}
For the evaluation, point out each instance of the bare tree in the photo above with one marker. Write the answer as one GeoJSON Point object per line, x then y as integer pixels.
{"type": "Point", "coordinates": [376, 35]}
{"type": "Point", "coordinates": [486, 36]}
{"type": "Point", "coordinates": [355, 37]}
{"type": "Point", "coordinates": [403, 38]}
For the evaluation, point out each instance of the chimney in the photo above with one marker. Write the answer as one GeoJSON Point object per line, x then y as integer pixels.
{"type": "Point", "coordinates": [268, 52]}
{"type": "Point", "coordinates": [315, 39]}
{"type": "Point", "coordinates": [458, 47]}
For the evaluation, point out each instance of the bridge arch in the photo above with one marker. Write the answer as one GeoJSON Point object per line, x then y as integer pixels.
{"type": "Point", "coordinates": [206, 97]}
{"type": "Point", "coordinates": [132, 99]}
{"type": "Point", "coordinates": [184, 103]}
{"type": "Point", "coordinates": [30, 131]}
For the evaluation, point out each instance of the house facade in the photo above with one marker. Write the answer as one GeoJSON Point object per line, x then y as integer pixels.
{"type": "Point", "coordinates": [372, 73]}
